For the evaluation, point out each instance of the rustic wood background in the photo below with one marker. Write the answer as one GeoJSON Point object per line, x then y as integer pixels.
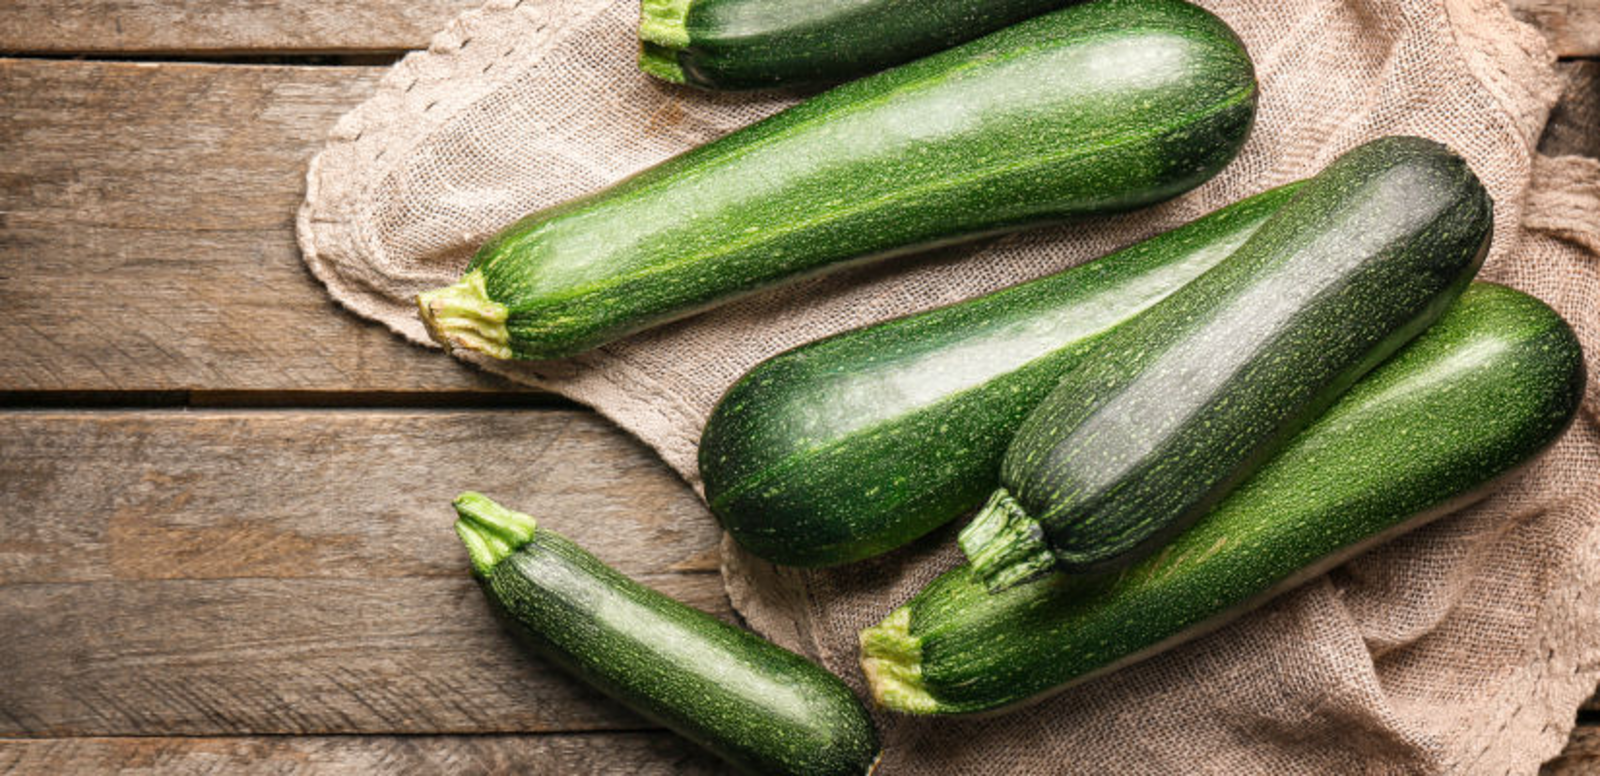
{"type": "Point", "coordinates": [224, 500]}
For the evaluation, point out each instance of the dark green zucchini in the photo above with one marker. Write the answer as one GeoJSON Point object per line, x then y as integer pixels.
{"type": "Point", "coordinates": [1493, 382]}
{"type": "Point", "coordinates": [756, 705]}
{"type": "Point", "coordinates": [1095, 108]}
{"type": "Point", "coordinates": [1172, 410]}
{"type": "Point", "coordinates": [758, 44]}
{"type": "Point", "coordinates": [853, 445]}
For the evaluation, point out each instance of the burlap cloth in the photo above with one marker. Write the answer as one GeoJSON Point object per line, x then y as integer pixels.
{"type": "Point", "coordinates": [1464, 647]}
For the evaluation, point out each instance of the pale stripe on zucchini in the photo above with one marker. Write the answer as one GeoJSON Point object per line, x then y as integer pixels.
{"type": "Point", "coordinates": [1096, 108]}
{"type": "Point", "coordinates": [1482, 391]}
{"type": "Point", "coordinates": [1172, 410]}
{"type": "Point", "coordinates": [760, 707]}
{"type": "Point", "coordinates": [853, 445]}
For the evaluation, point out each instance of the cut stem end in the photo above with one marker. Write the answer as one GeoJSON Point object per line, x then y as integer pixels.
{"type": "Point", "coordinates": [1005, 547]}
{"type": "Point", "coordinates": [661, 62]}
{"type": "Point", "coordinates": [490, 531]}
{"type": "Point", "coordinates": [891, 658]}
{"type": "Point", "coordinates": [463, 316]}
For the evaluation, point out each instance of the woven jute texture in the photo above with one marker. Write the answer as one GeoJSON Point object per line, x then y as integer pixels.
{"type": "Point", "coordinates": [1463, 647]}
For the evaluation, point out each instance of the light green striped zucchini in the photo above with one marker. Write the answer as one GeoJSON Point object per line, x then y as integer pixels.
{"type": "Point", "coordinates": [1171, 411]}
{"type": "Point", "coordinates": [1477, 395]}
{"type": "Point", "coordinates": [853, 445]}
{"type": "Point", "coordinates": [1096, 108]}
{"type": "Point", "coordinates": [762, 708]}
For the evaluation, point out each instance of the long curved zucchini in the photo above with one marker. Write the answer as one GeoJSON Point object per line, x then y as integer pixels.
{"type": "Point", "coordinates": [1493, 382]}
{"type": "Point", "coordinates": [853, 445]}
{"type": "Point", "coordinates": [754, 44]}
{"type": "Point", "coordinates": [1095, 108]}
{"type": "Point", "coordinates": [1171, 411]}
{"type": "Point", "coordinates": [756, 705]}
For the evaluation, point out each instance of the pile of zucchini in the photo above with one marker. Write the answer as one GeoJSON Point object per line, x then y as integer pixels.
{"type": "Point", "coordinates": [1154, 442]}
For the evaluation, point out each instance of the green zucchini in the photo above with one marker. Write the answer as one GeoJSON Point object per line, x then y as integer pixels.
{"type": "Point", "coordinates": [1492, 383]}
{"type": "Point", "coordinates": [1171, 411]}
{"type": "Point", "coordinates": [1095, 108]}
{"type": "Point", "coordinates": [754, 44]}
{"type": "Point", "coordinates": [853, 445]}
{"type": "Point", "coordinates": [756, 705]}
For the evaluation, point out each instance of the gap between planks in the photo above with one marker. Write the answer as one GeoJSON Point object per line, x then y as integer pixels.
{"type": "Point", "coordinates": [294, 572]}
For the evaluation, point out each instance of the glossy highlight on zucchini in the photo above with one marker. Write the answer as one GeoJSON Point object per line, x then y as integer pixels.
{"type": "Point", "coordinates": [1174, 409]}
{"type": "Point", "coordinates": [760, 707]}
{"type": "Point", "coordinates": [758, 44]}
{"type": "Point", "coordinates": [1496, 380]}
{"type": "Point", "coordinates": [853, 445]}
{"type": "Point", "coordinates": [1095, 108]}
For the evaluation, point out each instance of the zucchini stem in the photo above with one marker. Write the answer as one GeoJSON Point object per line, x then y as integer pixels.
{"type": "Point", "coordinates": [663, 33]}
{"type": "Point", "coordinates": [665, 23]}
{"type": "Point", "coordinates": [490, 531]}
{"type": "Point", "coordinates": [462, 315]}
{"type": "Point", "coordinates": [891, 658]}
{"type": "Point", "coordinates": [1005, 547]}
{"type": "Point", "coordinates": [661, 62]}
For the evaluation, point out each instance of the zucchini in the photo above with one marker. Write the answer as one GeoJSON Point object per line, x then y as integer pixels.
{"type": "Point", "coordinates": [1493, 382]}
{"type": "Point", "coordinates": [853, 445]}
{"type": "Point", "coordinates": [1171, 411]}
{"type": "Point", "coordinates": [760, 707]}
{"type": "Point", "coordinates": [1095, 108]}
{"type": "Point", "coordinates": [754, 44]}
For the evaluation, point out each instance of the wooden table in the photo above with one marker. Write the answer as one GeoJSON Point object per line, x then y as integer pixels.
{"type": "Point", "coordinates": [223, 499]}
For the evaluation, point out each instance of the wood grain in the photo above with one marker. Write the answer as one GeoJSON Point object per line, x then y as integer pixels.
{"type": "Point", "coordinates": [284, 656]}
{"type": "Point", "coordinates": [308, 26]}
{"type": "Point", "coordinates": [122, 496]}
{"type": "Point", "coordinates": [1574, 126]}
{"type": "Point", "coordinates": [195, 26]}
{"type": "Point", "coordinates": [1572, 26]}
{"type": "Point", "coordinates": [147, 237]}
{"type": "Point", "coordinates": [653, 754]}
{"type": "Point", "coordinates": [237, 573]}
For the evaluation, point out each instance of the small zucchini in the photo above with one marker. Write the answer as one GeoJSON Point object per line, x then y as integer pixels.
{"type": "Point", "coordinates": [1171, 411]}
{"type": "Point", "coordinates": [760, 707]}
{"type": "Point", "coordinates": [1099, 107]}
{"type": "Point", "coordinates": [1492, 383]}
{"type": "Point", "coordinates": [853, 445]}
{"type": "Point", "coordinates": [757, 44]}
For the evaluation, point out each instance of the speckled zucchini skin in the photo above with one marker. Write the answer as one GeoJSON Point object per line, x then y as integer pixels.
{"type": "Point", "coordinates": [754, 44]}
{"type": "Point", "coordinates": [853, 445]}
{"type": "Point", "coordinates": [1171, 411]}
{"type": "Point", "coordinates": [756, 705]}
{"type": "Point", "coordinates": [1493, 382]}
{"type": "Point", "coordinates": [1099, 107]}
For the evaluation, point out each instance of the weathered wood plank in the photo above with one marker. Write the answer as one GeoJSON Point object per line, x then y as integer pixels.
{"type": "Point", "coordinates": [550, 754]}
{"type": "Point", "coordinates": [284, 656]}
{"type": "Point", "coordinates": [234, 573]}
{"type": "Point", "coordinates": [197, 495]}
{"type": "Point", "coordinates": [1573, 26]}
{"type": "Point", "coordinates": [147, 236]}
{"type": "Point", "coordinates": [196, 26]}
{"type": "Point", "coordinates": [1574, 126]}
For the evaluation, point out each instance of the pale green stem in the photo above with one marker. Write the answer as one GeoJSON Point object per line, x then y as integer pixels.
{"type": "Point", "coordinates": [490, 531]}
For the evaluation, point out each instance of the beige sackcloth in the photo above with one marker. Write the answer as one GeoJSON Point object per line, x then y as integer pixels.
{"type": "Point", "coordinates": [1466, 646]}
